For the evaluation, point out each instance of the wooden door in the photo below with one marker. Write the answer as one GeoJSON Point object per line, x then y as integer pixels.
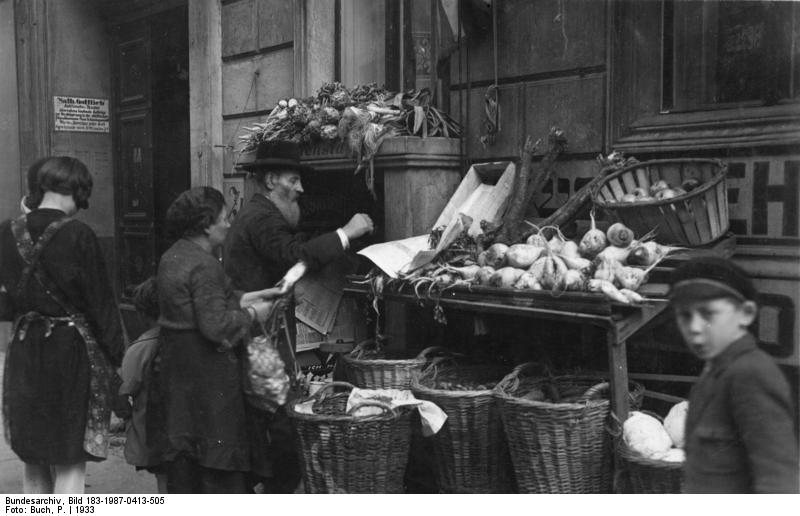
{"type": "Point", "coordinates": [134, 155]}
{"type": "Point", "coordinates": [151, 136]}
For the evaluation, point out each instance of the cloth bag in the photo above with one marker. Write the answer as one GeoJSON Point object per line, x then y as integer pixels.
{"type": "Point", "coordinates": [266, 383]}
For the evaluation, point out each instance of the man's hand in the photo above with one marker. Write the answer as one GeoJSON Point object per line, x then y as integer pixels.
{"type": "Point", "coordinates": [358, 226]}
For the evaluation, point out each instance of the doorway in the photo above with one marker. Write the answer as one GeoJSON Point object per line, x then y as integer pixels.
{"type": "Point", "coordinates": [151, 137]}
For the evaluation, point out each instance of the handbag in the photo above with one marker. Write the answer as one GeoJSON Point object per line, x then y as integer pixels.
{"type": "Point", "coordinates": [266, 383]}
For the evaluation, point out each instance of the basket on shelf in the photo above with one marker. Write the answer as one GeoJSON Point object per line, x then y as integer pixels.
{"type": "Point", "coordinates": [470, 452]}
{"type": "Point", "coordinates": [558, 447]}
{"type": "Point", "coordinates": [343, 452]}
{"type": "Point", "coordinates": [368, 367]}
{"type": "Point", "coordinates": [695, 218]}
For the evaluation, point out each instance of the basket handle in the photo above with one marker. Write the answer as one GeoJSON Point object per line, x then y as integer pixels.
{"type": "Point", "coordinates": [594, 391]}
{"type": "Point", "coordinates": [371, 403]}
{"type": "Point", "coordinates": [511, 381]}
{"type": "Point", "coordinates": [434, 349]}
{"type": "Point", "coordinates": [319, 395]}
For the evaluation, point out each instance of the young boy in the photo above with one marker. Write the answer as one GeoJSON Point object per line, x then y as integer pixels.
{"type": "Point", "coordinates": [136, 369]}
{"type": "Point", "coordinates": [740, 430]}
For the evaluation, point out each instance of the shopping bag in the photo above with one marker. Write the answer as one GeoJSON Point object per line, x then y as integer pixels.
{"type": "Point", "coordinates": [266, 383]}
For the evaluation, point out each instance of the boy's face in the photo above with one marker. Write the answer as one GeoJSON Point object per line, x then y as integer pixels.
{"type": "Point", "coordinates": [710, 326]}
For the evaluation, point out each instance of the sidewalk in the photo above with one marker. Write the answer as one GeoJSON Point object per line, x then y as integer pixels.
{"type": "Point", "coordinates": [112, 476]}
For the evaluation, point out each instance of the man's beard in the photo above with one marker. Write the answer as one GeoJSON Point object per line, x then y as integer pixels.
{"type": "Point", "coordinates": [289, 209]}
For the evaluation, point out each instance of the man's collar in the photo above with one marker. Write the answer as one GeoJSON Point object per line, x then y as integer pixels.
{"type": "Point", "coordinates": [743, 345]}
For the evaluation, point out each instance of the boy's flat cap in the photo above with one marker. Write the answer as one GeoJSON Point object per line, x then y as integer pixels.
{"type": "Point", "coordinates": [710, 278]}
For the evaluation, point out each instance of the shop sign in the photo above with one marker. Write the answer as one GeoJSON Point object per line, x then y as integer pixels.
{"type": "Point", "coordinates": [83, 115]}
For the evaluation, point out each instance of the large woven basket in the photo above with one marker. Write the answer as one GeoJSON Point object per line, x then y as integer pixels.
{"type": "Point", "coordinates": [470, 451]}
{"type": "Point", "coordinates": [562, 447]}
{"type": "Point", "coordinates": [369, 368]}
{"type": "Point", "coordinates": [347, 453]}
{"type": "Point", "coordinates": [693, 219]}
{"type": "Point", "coordinates": [649, 476]}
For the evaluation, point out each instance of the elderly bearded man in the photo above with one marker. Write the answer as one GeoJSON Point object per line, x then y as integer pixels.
{"type": "Point", "coordinates": [263, 243]}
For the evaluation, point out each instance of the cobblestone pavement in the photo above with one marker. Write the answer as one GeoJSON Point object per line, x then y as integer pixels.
{"type": "Point", "coordinates": [112, 476]}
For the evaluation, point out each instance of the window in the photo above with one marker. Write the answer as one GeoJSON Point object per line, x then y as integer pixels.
{"type": "Point", "coordinates": [723, 54]}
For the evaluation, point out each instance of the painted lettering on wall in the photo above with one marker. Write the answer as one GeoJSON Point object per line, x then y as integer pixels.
{"type": "Point", "coordinates": [80, 114]}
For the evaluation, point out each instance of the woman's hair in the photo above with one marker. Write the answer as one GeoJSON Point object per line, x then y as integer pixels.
{"type": "Point", "coordinates": [66, 176]}
{"type": "Point", "coordinates": [194, 211]}
{"type": "Point", "coordinates": [34, 195]}
{"type": "Point", "coordinates": [145, 298]}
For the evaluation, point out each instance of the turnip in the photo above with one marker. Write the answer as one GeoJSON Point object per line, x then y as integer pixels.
{"type": "Point", "coordinates": [614, 253]}
{"type": "Point", "coordinates": [658, 186]}
{"type": "Point", "coordinates": [573, 280]}
{"type": "Point", "coordinates": [570, 249]}
{"type": "Point", "coordinates": [628, 197]}
{"type": "Point", "coordinates": [526, 281]}
{"type": "Point", "coordinates": [593, 241]}
{"type": "Point", "coordinates": [483, 275]}
{"type": "Point", "coordinates": [619, 235]}
{"type": "Point", "coordinates": [606, 269]}
{"type": "Point", "coordinates": [667, 193]}
{"type": "Point", "coordinates": [633, 297]}
{"type": "Point", "coordinates": [522, 256]}
{"type": "Point", "coordinates": [553, 273]}
{"type": "Point", "coordinates": [608, 289]}
{"type": "Point", "coordinates": [496, 255]}
{"type": "Point", "coordinates": [649, 253]}
{"type": "Point", "coordinates": [576, 263]}
{"type": "Point", "coordinates": [537, 239]}
{"type": "Point", "coordinates": [505, 277]}
{"type": "Point", "coordinates": [537, 269]}
{"type": "Point", "coordinates": [640, 192]}
{"type": "Point", "coordinates": [482, 258]}
{"type": "Point", "coordinates": [630, 277]}
{"type": "Point", "coordinates": [467, 272]}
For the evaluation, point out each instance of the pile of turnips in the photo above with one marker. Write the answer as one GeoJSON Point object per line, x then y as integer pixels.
{"type": "Point", "coordinates": [613, 263]}
{"type": "Point", "coordinates": [659, 191]}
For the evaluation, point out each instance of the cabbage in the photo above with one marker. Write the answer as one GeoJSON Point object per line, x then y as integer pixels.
{"type": "Point", "coordinates": [645, 435]}
{"type": "Point", "coordinates": [675, 422]}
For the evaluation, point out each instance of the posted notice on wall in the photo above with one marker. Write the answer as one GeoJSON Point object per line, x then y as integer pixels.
{"type": "Point", "coordinates": [81, 114]}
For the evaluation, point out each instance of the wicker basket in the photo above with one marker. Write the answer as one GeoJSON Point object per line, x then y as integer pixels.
{"type": "Point", "coordinates": [386, 370]}
{"type": "Point", "coordinates": [558, 447]}
{"type": "Point", "coordinates": [696, 218]}
{"type": "Point", "coordinates": [345, 453]}
{"type": "Point", "coordinates": [649, 476]}
{"type": "Point", "coordinates": [470, 451]}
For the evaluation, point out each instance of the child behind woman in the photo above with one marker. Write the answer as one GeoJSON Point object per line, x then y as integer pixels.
{"type": "Point", "coordinates": [137, 367]}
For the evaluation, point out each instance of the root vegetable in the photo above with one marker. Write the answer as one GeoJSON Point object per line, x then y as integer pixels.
{"type": "Point", "coordinates": [649, 253]}
{"type": "Point", "coordinates": [606, 269]}
{"type": "Point", "coordinates": [570, 249]}
{"type": "Point", "coordinates": [614, 253]}
{"type": "Point", "coordinates": [574, 280]}
{"type": "Point", "coordinates": [576, 263]}
{"type": "Point", "coordinates": [658, 186]}
{"type": "Point", "coordinates": [482, 258]}
{"type": "Point", "coordinates": [505, 277]}
{"type": "Point", "coordinates": [608, 289]}
{"type": "Point", "coordinates": [633, 297]}
{"type": "Point", "coordinates": [484, 274]}
{"type": "Point", "coordinates": [628, 197]}
{"type": "Point", "coordinates": [553, 272]}
{"type": "Point", "coordinates": [630, 277]}
{"type": "Point", "coordinates": [593, 241]}
{"type": "Point", "coordinates": [619, 235]}
{"type": "Point", "coordinates": [496, 255]}
{"type": "Point", "coordinates": [526, 281]}
{"type": "Point", "coordinates": [667, 193]}
{"type": "Point", "coordinates": [555, 244]}
{"type": "Point", "coordinates": [640, 192]}
{"type": "Point", "coordinates": [537, 269]}
{"type": "Point", "coordinates": [467, 272]}
{"type": "Point", "coordinates": [522, 256]}
{"type": "Point", "coordinates": [537, 239]}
